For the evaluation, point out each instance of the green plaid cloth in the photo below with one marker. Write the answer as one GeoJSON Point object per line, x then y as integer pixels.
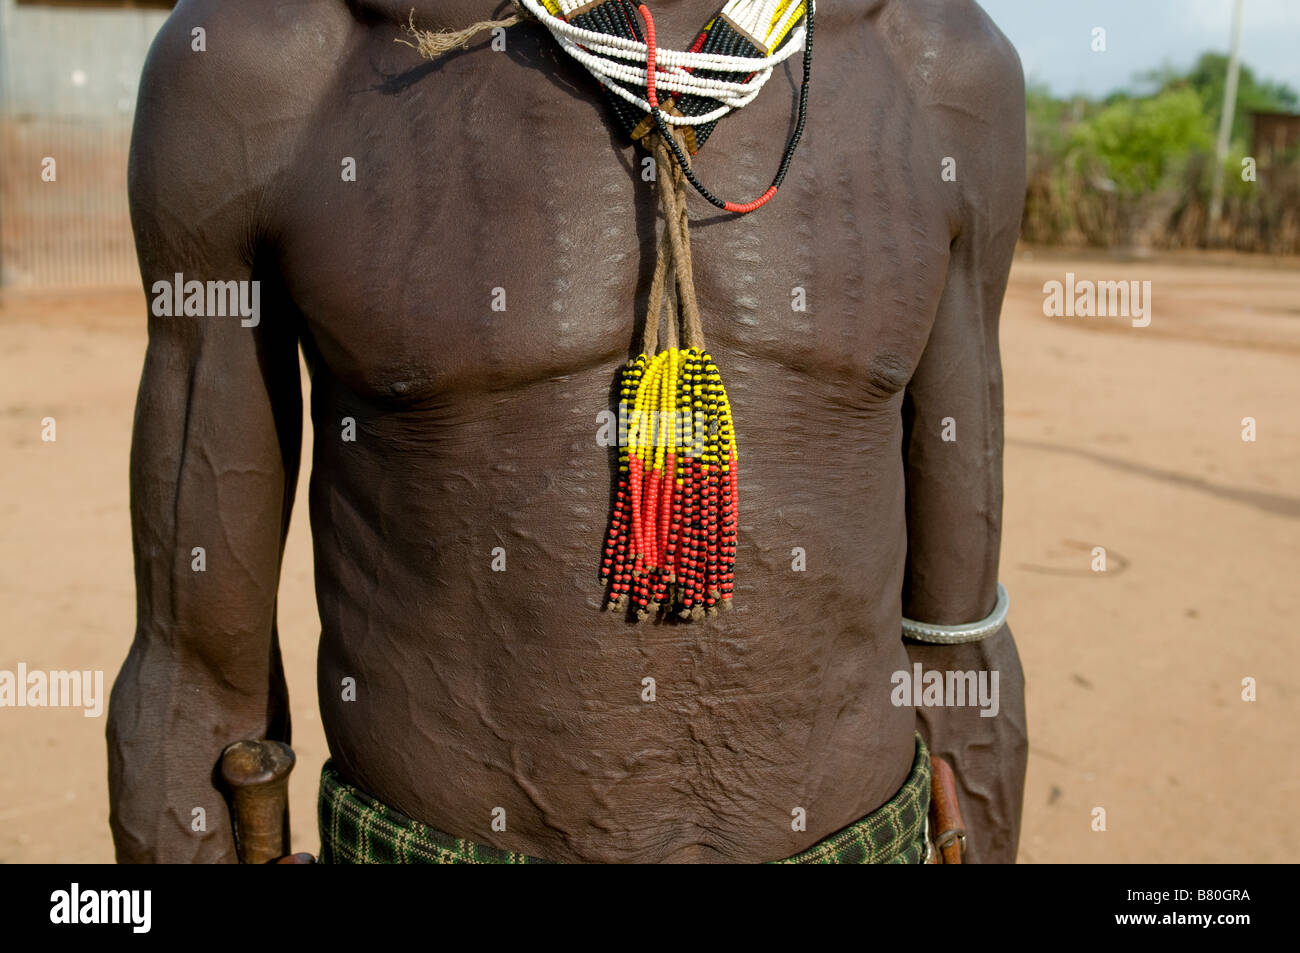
{"type": "Point", "coordinates": [894, 833]}
{"type": "Point", "coordinates": [357, 829]}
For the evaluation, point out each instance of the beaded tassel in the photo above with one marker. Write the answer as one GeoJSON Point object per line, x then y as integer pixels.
{"type": "Point", "coordinates": [671, 544]}
{"type": "Point", "coordinates": [671, 540]}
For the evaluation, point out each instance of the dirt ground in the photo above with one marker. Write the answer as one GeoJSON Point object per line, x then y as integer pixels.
{"type": "Point", "coordinates": [1120, 437]}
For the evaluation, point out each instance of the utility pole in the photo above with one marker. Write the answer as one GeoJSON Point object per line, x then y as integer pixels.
{"type": "Point", "coordinates": [1225, 120]}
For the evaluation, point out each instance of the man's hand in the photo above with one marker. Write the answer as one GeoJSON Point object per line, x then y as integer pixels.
{"type": "Point", "coordinates": [988, 754]}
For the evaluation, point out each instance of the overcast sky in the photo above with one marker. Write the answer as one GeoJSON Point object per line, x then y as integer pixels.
{"type": "Point", "coordinates": [1054, 38]}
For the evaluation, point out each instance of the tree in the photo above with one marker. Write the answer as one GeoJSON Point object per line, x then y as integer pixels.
{"type": "Point", "coordinates": [1207, 79]}
{"type": "Point", "coordinates": [1133, 149]}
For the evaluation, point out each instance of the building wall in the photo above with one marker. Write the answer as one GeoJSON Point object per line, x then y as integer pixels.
{"type": "Point", "coordinates": [68, 82]}
{"type": "Point", "coordinates": [1274, 134]}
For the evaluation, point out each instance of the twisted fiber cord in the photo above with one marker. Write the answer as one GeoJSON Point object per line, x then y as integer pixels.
{"type": "Point", "coordinates": [688, 306]}
{"type": "Point", "coordinates": [433, 43]}
{"type": "Point", "coordinates": [664, 276]}
{"type": "Point", "coordinates": [673, 265]}
{"type": "Point", "coordinates": [671, 340]}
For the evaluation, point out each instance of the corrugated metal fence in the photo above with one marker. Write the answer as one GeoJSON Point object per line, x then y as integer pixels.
{"type": "Point", "coordinates": [68, 80]}
{"type": "Point", "coordinates": [73, 231]}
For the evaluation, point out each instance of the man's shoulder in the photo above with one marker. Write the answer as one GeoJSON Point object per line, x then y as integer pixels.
{"type": "Point", "coordinates": [227, 89]}
{"type": "Point", "coordinates": [969, 86]}
{"type": "Point", "coordinates": [955, 57]}
{"type": "Point", "coordinates": [250, 57]}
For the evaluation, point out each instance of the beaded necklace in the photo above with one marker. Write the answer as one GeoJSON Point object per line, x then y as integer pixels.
{"type": "Point", "coordinates": [671, 543]}
{"type": "Point", "coordinates": [724, 69]}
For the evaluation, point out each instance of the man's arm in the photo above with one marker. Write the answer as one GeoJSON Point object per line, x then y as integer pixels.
{"type": "Point", "coordinates": [214, 463]}
{"type": "Point", "coordinates": [954, 486]}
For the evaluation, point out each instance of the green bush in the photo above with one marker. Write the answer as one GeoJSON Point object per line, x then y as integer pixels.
{"type": "Point", "coordinates": [1137, 169]}
{"type": "Point", "coordinates": [1138, 144]}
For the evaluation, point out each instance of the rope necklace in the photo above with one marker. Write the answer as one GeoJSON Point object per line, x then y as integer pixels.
{"type": "Point", "coordinates": [671, 543]}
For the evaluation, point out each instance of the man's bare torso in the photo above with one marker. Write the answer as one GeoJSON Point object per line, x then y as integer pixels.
{"type": "Point", "coordinates": [498, 177]}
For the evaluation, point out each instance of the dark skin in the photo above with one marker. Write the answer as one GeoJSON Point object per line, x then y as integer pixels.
{"type": "Point", "coordinates": [476, 429]}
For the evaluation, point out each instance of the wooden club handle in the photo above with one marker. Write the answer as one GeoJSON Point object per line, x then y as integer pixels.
{"type": "Point", "coordinates": [257, 773]}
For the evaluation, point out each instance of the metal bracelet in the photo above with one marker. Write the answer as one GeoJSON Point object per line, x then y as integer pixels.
{"type": "Point", "coordinates": [957, 634]}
